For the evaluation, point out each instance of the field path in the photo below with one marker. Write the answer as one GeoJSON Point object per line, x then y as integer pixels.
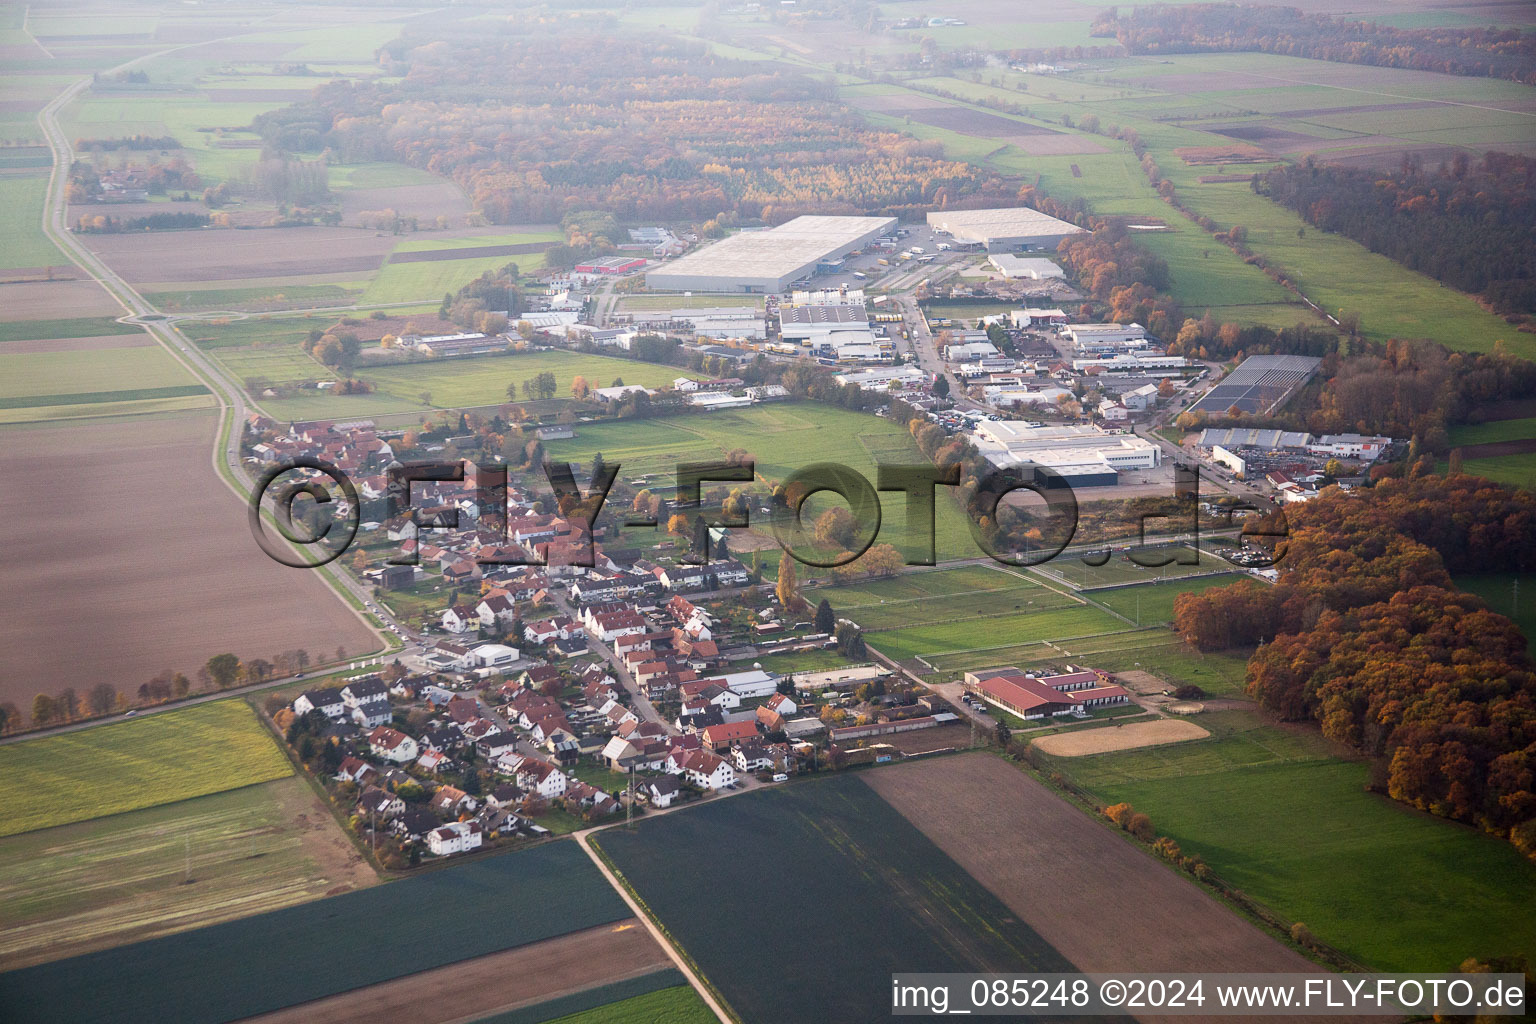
{"type": "Point", "coordinates": [656, 933]}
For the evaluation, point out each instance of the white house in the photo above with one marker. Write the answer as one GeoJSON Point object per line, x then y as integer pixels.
{"type": "Point", "coordinates": [661, 792]}
{"type": "Point", "coordinates": [327, 701]}
{"type": "Point", "coordinates": [541, 777]}
{"type": "Point", "coordinates": [703, 768]}
{"type": "Point", "coordinates": [392, 745]}
{"type": "Point", "coordinates": [455, 837]}
{"type": "Point", "coordinates": [460, 619]}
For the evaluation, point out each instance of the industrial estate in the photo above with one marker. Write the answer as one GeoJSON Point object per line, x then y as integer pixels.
{"type": "Point", "coordinates": [557, 493]}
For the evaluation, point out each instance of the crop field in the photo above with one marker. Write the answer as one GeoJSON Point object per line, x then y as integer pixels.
{"type": "Point", "coordinates": [1321, 98]}
{"type": "Point", "coordinates": [1009, 831]}
{"type": "Point", "coordinates": [1280, 818]}
{"type": "Point", "coordinates": [124, 766]}
{"type": "Point", "coordinates": [136, 875]}
{"type": "Point", "coordinates": [21, 220]}
{"type": "Point", "coordinates": [679, 1004]}
{"type": "Point", "coordinates": [852, 874]}
{"type": "Point", "coordinates": [582, 970]}
{"type": "Point", "coordinates": [75, 327]}
{"type": "Point", "coordinates": [466, 383]}
{"type": "Point", "coordinates": [782, 437]}
{"type": "Point", "coordinates": [269, 296]}
{"type": "Point", "coordinates": [166, 591]}
{"type": "Point", "coordinates": [26, 375]}
{"type": "Point", "coordinates": [317, 949]}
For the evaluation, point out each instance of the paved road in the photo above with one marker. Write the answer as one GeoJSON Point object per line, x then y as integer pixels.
{"type": "Point", "coordinates": [637, 699]}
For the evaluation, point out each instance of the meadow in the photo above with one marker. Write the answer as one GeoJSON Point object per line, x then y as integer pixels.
{"type": "Point", "coordinates": [430, 279]}
{"type": "Point", "coordinates": [132, 876]}
{"type": "Point", "coordinates": [21, 224]}
{"type": "Point", "coordinates": [297, 954]}
{"type": "Point", "coordinates": [128, 765]}
{"type": "Point", "coordinates": [849, 873]}
{"type": "Point", "coordinates": [1277, 815]}
{"type": "Point", "coordinates": [73, 327]}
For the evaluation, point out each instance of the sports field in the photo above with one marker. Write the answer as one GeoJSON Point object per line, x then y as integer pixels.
{"type": "Point", "coordinates": [317, 949]}
{"type": "Point", "coordinates": [124, 766]}
{"type": "Point", "coordinates": [1149, 604]}
{"type": "Point", "coordinates": [1276, 814]}
{"type": "Point", "coordinates": [848, 873]}
{"type": "Point", "coordinates": [1182, 560]}
{"type": "Point", "coordinates": [126, 877]}
{"type": "Point", "coordinates": [782, 437]}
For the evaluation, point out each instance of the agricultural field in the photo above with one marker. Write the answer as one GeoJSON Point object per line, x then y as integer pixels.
{"type": "Point", "coordinates": [27, 376]}
{"type": "Point", "coordinates": [1278, 815]}
{"type": "Point", "coordinates": [676, 1005]}
{"type": "Point", "coordinates": [166, 591]}
{"type": "Point", "coordinates": [21, 220]}
{"type": "Point", "coordinates": [581, 970]}
{"type": "Point", "coordinates": [1501, 450]}
{"type": "Point", "coordinates": [974, 805]}
{"type": "Point", "coordinates": [851, 874]}
{"type": "Point", "coordinates": [1241, 94]}
{"type": "Point", "coordinates": [420, 280]}
{"type": "Point", "coordinates": [782, 437]}
{"type": "Point", "coordinates": [302, 953]}
{"type": "Point", "coordinates": [125, 877]}
{"type": "Point", "coordinates": [158, 759]}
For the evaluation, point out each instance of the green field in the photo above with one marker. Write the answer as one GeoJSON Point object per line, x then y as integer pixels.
{"type": "Point", "coordinates": [1152, 603]}
{"type": "Point", "coordinates": [285, 296]}
{"type": "Point", "coordinates": [297, 954]}
{"type": "Point", "coordinates": [127, 765]}
{"type": "Point", "coordinates": [1280, 818]}
{"type": "Point", "coordinates": [463, 383]}
{"type": "Point", "coordinates": [1219, 673]}
{"type": "Point", "coordinates": [850, 874]}
{"type": "Point", "coordinates": [126, 877]}
{"type": "Point", "coordinates": [34, 375]}
{"type": "Point", "coordinates": [663, 997]}
{"type": "Point", "coordinates": [418, 282]}
{"type": "Point", "coordinates": [884, 605]}
{"type": "Point", "coordinates": [79, 327]}
{"type": "Point", "coordinates": [782, 437]}
{"type": "Point", "coordinates": [21, 224]}
{"type": "Point", "coordinates": [1494, 430]}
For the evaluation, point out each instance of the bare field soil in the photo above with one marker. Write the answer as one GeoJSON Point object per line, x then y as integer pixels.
{"type": "Point", "coordinates": [95, 344]}
{"type": "Point", "coordinates": [130, 556]}
{"type": "Point", "coordinates": [46, 300]}
{"type": "Point", "coordinates": [439, 199]}
{"type": "Point", "coordinates": [472, 252]}
{"type": "Point", "coordinates": [215, 254]}
{"type": "Point", "coordinates": [923, 741]}
{"type": "Point", "coordinates": [1082, 742]}
{"type": "Point", "coordinates": [1127, 911]}
{"type": "Point", "coordinates": [496, 983]}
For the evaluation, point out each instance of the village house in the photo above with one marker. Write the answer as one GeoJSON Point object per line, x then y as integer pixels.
{"type": "Point", "coordinates": [378, 803]}
{"type": "Point", "coordinates": [392, 745]}
{"type": "Point", "coordinates": [454, 837]}
{"type": "Point", "coordinates": [702, 768]}
{"type": "Point", "coordinates": [327, 701]}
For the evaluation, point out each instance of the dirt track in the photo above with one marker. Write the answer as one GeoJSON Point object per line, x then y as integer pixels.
{"type": "Point", "coordinates": [490, 984]}
{"type": "Point", "coordinates": [1122, 737]}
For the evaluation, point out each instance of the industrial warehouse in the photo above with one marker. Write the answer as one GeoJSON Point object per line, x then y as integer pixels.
{"type": "Point", "coordinates": [1002, 230]}
{"type": "Point", "coordinates": [769, 261]}
{"type": "Point", "coordinates": [1259, 386]}
{"type": "Point", "coordinates": [1079, 456]}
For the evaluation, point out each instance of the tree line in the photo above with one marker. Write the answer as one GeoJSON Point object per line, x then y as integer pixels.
{"type": "Point", "coordinates": [1470, 225]}
{"type": "Point", "coordinates": [1505, 53]}
{"type": "Point", "coordinates": [1366, 634]}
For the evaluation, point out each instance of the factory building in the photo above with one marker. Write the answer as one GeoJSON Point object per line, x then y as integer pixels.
{"type": "Point", "coordinates": [1082, 456]}
{"type": "Point", "coordinates": [769, 261]}
{"type": "Point", "coordinates": [1002, 230]}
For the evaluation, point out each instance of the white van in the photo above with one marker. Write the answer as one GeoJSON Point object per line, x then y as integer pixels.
{"type": "Point", "coordinates": [781, 777]}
